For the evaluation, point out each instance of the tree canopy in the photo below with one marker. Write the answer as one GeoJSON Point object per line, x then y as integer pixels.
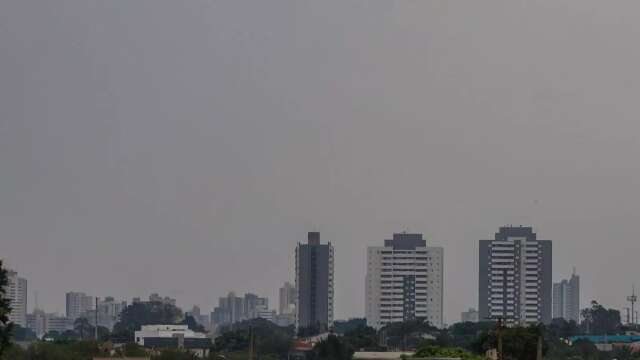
{"type": "Point", "coordinates": [5, 309]}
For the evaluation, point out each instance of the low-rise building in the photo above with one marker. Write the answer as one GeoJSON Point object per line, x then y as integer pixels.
{"type": "Point", "coordinates": [173, 336]}
{"type": "Point", "coordinates": [470, 315]}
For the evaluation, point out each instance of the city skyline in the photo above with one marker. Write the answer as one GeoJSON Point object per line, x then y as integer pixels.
{"type": "Point", "coordinates": [202, 140]}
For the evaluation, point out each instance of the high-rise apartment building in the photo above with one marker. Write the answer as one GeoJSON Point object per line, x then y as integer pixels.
{"type": "Point", "coordinates": [232, 309]}
{"type": "Point", "coordinates": [404, 281]}
{"type": "Point", "coordinates": [287, 299]}
{"type": "Point", "coordinates": [566, 299]}
{"type": "Point", "coordinates": [78, 303]}
{"type": "Point", "coordinates": [515, 277]}
{"type": "Point", "coordinates": [314, 282]}
{"type": "Point", "coordinates": [17, 295]}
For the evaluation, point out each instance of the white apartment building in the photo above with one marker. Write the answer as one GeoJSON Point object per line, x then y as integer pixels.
{"type": "Point", "coordinates": [404, 281]}
{"type": "Point", "coordinates": [78, 303]}
{"type": "Point", "coordinates": [17, 295]}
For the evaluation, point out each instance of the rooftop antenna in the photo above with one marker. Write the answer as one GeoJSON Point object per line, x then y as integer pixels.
{"type": "Point", "coordinates": [633, 299]}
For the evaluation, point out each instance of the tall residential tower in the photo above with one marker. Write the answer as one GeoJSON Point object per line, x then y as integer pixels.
{"type": "Point", "coordinates": [404, 281]}
{"type": "Point", "coordinates": [515, 277]}
{"type": "Point", "coordinates": [314, 282]}
{"type": "Point", "coordinates": [17, 295]}
{"type": "Point", "coordinates": [566, 298]}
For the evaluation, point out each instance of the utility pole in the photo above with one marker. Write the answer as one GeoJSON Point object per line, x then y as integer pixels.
{"type": "Point", "coordinates": [499, 333]}
{"type": "Point", "coordinates": [632, 299]}
{"type": "Point", "coordinates": [96, 330]}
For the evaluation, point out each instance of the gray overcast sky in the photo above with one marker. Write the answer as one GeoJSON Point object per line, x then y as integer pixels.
{"type": "Point", "coordinates": [184, 147]}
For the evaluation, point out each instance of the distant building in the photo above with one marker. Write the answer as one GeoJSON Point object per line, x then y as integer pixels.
{"type": "Point", "coordinates": [285, 319]}
{"type": "Point", "coordinates": [287, 299]}
{"type": "Point", "coordinates": [165, 300]}
{"type": "Point", "coordinates": [109, 311]}
{"type": "Point", "coordinates": [515, 277]}
{"type": "Point", "coordinates": [203, 320]}
{"type": "Point", "coordinates": [173, 337]}
{"type": "Point", "coordinates": [404, 281]}
{"type": "Point", "coordinates": [78, 303]}
{"type": "Point", "coordinates": [314, 282]}
{"type": "Point", "coordinates": [16, 292]}
{"type": "Point", "coordinates": [232, 309]}
{"type": "Point", "coordinates": [41, 323]}
{"type": "Point", "coordinates": [470, 315]}
{"type": "Point", "coordinates": [566, 299]}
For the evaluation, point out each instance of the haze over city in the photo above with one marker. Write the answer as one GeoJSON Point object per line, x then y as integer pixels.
{"type": "Point", "coordinates": [185, 148]}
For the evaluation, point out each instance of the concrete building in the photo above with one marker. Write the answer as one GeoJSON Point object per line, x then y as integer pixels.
{"type": "Point", "coordinates": [566, 299]}
{"type": "Point", "coordinates": [314, 282]}
{"type": "Point", "coordinates": [109, 311]}
{"type": "Point", "coordinates": [515, 277]}
{"type": "Point", "coordinates": [470, 315]}
{"type": "Point", "coordinates": [78, 303]}
{"type": "Point", "coordinates": [173, 336]}
{"type": "Point", "coordinates": [404, 281]}
{"type": "Point", "coordinates": [287, 299]}
{"type": "Point", "coordinates": [232, 309]}
{"type": "Point", "coordinates": [41, 323]}
{"type": "Point", "coordinates": [16, 292]}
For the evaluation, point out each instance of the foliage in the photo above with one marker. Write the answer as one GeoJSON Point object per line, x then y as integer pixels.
{"type": "Point", "coordinates": [312, 330]}
{"type": "Point", "coordinates": [132, 350]}
{"type": "Point", "coordinates": [362, 337]}
{"type": "Point", "coordinates": [20, 333]}
{"type": "Point", "coordinates": [145, 313]}
{"type": "Point", "coordinates": [343, 326]}
{"type": "Point", "coordinates": [82, 327]}
{"type": "Point", "coordinates": [333, 348]}
{"type": "Point", "coordinates": [174, 354]}
{"type": "Point", "coordinates": [435, 351]}
{"type": "Point", "coordinates": [561, 328]}
{"type": "Point", "coordinates": [193, 324]}
{"type": "Point", "coordinates": [407, 334]}
{"type": "Point", "coordinates": [268, 338]}
{"type": "Point", "coordinates": [5, 309]}
{"type": "Point", "coordinates": [14, 352]}
{"type": "Point", "coordinates": [518, 343]}
{"type": "Point", "coordinates": [598, 320]}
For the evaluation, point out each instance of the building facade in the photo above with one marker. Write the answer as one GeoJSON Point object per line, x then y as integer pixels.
{"type": "Point", "coordinates": [78, 303]}
{"type": "Point", "coordinates": [404, 281]}
{"type": "Point", "coordinates": [470, 315]}
{"type": "Point", "coordinates": [16, 292]}
{"type": "Point", "coordinates": [41, 323]}
{"type": "Point", "coordinates": [515, 277]}
{"type": "Point", "coordinates": [566, 299]}
{"type": "Point", "coordinates": [232, 309]}
{"type": "Point", "coordinates": [314, 282]}
{"type": "Point", "coordinates": [287, 299]}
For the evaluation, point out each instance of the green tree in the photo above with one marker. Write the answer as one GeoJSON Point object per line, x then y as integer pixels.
{"type": "Point", "coordinates": [145, 313]}
{"type": "Point", "coordinates": [429, 351]}
{"type": "Point", "coordinates": [600, 321]}
{"type": "Point", "coordinates": [362, 337]}
{"type": "Point", "coordinates": [268, 338]}
{"type": "Point", "coordinates": [191, 322]}
{"type": "Point", "coordinates": [407, 334]}
{"type": "Point", "coordinates": [83, 328]}
{"type": "Point", "coordinates": [344, 326]}
{"type": "Point", "coordinates": [23, 334]}
{"type": "Point", "coordinates": [333, 348]}
{"type": "Point", "coordinates": [5, 309]}
{"type": "Point", "coordinates": [518, 343]}
{"type": "Point", "coordinates": [175, 354]}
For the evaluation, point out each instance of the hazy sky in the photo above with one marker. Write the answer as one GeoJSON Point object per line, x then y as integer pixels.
{"type": "Point", "coordinates": [184, 147]}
